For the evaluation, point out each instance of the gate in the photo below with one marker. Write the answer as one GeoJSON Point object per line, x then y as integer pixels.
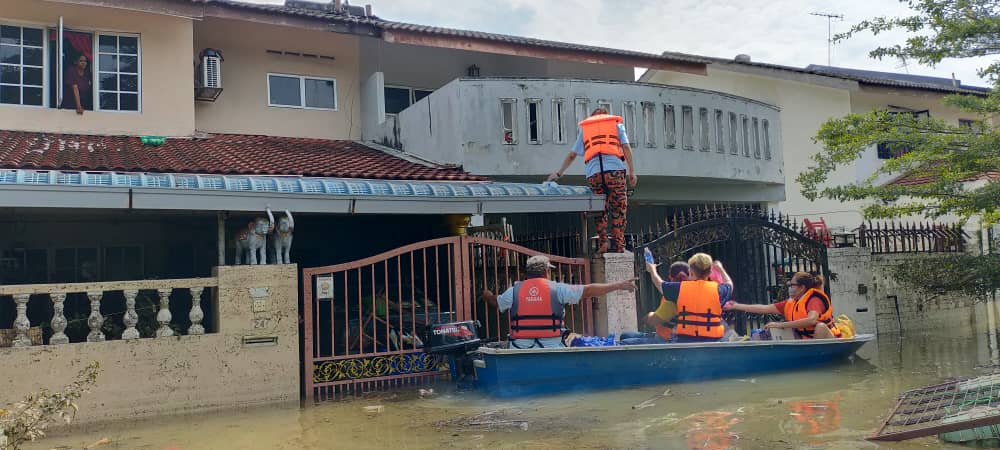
{"type": "Point", "coordinates": [364, 319]}
{"type": "Point", "coordinates": [761, 252]}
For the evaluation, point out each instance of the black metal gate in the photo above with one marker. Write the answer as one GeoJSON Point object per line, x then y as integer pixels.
{"type": "Point", "coordinates": [761, 252]}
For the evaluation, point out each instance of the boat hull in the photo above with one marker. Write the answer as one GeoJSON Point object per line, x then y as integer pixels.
{"type": "Point", "coordinates": [522, 372]}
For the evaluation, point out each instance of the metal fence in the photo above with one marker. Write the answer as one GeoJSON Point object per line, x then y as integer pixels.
{"type": "Point", "coordinates": [896, 237]}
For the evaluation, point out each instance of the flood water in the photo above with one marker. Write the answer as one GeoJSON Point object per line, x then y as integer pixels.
{"type": "Point", "coordinates": [831, 407]}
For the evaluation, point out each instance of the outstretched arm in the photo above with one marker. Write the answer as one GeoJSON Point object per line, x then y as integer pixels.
{"type": "Point", "coordinates": [570, 157]}
{"type": "Point", "coordinates": [655, 276]}
{"type": "Point", "coordinates": [722, 271]}
{"type": "Point", "coordinates": [599, 289]}
{"type": "Point", "coordinates": [756, 309]}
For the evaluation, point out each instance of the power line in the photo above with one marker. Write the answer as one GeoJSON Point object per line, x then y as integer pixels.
{"type": "Point", "coordinates": [829, 29]}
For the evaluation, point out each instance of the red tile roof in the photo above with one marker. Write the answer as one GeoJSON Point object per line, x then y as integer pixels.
{"type": "Point", "coordinates": [215, 154]}
{"type": "Point", "coordinates": [916, 180]}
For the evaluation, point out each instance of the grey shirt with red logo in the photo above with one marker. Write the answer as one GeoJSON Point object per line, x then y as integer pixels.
{"type": "Point", "coordinates": [567, 294]}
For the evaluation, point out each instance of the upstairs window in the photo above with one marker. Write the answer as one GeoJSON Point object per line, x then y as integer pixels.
{"type": "Point", "coordinates": [398, 98]}
{"type": "Point", "coordinates": [706, 137]}
{"type": "Point", "coordinates": [669, 127]}
{"type": "Point", "coordinates": [606, 104]}
{"type": "Point", "coordinates": [767, 140]}
{"type": "Point", "coordinates": [687, 127]}
{"type": "Point", "coordinates": [720, 138]}
{"type": "Point", "coordinates": [628, 117]}
{"type": "Point", "coordinates": [117, 73]}
{"type": "Point", "coordinates": [294, 91]}
{"type": "Point", "coordinates": [508, 120]}
{"type": "Point", "coordinates": [746, 135]}
{"type": "Point", "coordinates": [534, 124]}
{"type": "Point", "coordinates": [890, 150]}
{"type": "Point", "coordinates": [756, 138]}
{"type": "Point", "coordinates": [648, 123]}
{"type": "Point", "coordinates": [559, 121]}
{"type": "Point", "coordinates": [22, 65]}
{"type": "Point", "coordinates": [581, 109]}
{"type": "Point", "coordinates": [734, 131]}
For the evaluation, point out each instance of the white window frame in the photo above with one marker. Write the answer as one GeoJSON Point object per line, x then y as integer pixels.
{"type": "Point", "coordinates": [704, 130]}
{"type": "Point", "coordinates": [302, 91]}
{"type": "Point", "coordinates": [606, 104]}
{"type": "Point", "coordinates": [628, 117]}
{"type": "Point", "coordinates": [45, 64]}
{"type": "Point", "coordinates": [96, 71]}
{"type": "Point", "coordinates": [734, 134]}
{"type": "Point", "coordinates": [538, 120]}
{"type": "Point", "coordinates": [767, 138]}
{"type": "Point", "coordinates": [669, 126]}
{"type": "Point", "coordinates": [745, 128]}
{"type": "Point", "coordinates": [513, 121]}
{"type": "Point", "coordinates": [413, 93]}
{"type": "Point", "coordinates": [687, 127]}
{"type": "Point", "coordinates": [649, 123]}
{"type": "Point", "coordinates": [559, 120]}
{"type": "Point", "coordinates": [756, 137]}
{"type": "Point", "coordinates": [720, 135]}
{"type": "Point", "coordinates": [581, 109]}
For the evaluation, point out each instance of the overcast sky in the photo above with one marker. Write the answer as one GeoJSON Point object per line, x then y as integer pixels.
{"type": "Point", "coordinates": [772, 31]}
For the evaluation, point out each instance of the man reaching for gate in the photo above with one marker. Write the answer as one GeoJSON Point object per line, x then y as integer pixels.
{"type": "Point", "coordinates": [537, 304]}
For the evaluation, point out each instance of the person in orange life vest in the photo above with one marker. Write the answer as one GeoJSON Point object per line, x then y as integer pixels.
{"type": "Point", "coordinates": [603, 143]}
{"type": "Point", "coordinates": [808, 311]}
{"type": "Point", "coordinates": [664, 318]}
{"type": "Point", "coordinates": [699, 300]}
{"type": "Point", "coordinates": [537, 304]}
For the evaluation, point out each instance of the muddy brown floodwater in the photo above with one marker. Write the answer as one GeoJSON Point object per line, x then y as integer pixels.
{"type": "Point", "coordinates": [832, 407]}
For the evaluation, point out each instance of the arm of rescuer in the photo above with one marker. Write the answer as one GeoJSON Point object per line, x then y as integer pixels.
{"type": "Point", "coordinates": [589, 290]}
{"type": "Point", "coordinates": [633, 179]}
{"type": "Point", "coordinates": [570, 157]}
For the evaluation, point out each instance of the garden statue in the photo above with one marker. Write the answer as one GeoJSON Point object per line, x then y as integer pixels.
{"type": "Point", "coordinates": [281, 239]}
{"type": "Point", "coordinates": [252, 240]}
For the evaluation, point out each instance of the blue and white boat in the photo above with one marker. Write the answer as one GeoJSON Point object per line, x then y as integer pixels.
{"type": "Point", "coordinates": [521, 372]}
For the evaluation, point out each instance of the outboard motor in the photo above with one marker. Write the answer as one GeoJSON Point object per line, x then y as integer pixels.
{"type": "Point", "coordinates": [454, 340]}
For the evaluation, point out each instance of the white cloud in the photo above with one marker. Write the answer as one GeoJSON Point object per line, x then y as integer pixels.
{"type": "Point", "coordinates": [774, 31]}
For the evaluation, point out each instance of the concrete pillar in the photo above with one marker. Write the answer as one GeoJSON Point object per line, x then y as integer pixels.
{"type": "Point", "coordinates": [615, 312]}
{"type": "Point", "coordinates": [852, 293]}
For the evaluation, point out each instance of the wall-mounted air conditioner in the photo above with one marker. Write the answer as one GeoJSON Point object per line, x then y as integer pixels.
{"type": "Point", "coordinates": [208, 77]}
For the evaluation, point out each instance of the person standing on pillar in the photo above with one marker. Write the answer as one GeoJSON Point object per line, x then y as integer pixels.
{"type": "Point", "coordinates": [603, 143]}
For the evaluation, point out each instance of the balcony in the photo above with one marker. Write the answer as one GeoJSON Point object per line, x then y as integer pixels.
{"type": "Point", "coordinates": [523, 127]}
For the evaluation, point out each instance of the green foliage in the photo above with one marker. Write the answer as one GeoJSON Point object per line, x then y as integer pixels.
{"type": "Point", "coordinates": [28, 419]}
{"type": "Point", "coordinates": [975, 276]}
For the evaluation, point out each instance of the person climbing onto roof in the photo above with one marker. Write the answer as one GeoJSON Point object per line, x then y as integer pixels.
{"type": "Point", "coordinates": [603, 144]}
{"type": "Point", "coordinates": [537, 304]}
{"type": "Point", "coordinates": [808, 310]}
{"type": "Point", "coordinates": [698, 300]}
{"type": "Point", "coordinates": [664, 318]}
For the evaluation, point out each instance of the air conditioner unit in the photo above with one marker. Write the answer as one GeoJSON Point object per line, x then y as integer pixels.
{"type": "Point", "coordinates": [208, 81]}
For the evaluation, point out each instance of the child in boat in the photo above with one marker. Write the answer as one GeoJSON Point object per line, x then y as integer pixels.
{"type": "Point", "coordinates": [664, 318]}
{"type": "Point", "coordinates": [808, 310]}
{"type": "Point", "coordinates": [698, 300]}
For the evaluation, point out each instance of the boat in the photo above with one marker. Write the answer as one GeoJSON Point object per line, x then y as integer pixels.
{"type": "Point", "coordinates": [510, 372]}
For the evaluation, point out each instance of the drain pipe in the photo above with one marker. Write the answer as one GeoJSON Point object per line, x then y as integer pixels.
{"type": "Point", "coordinates": [899, 320]}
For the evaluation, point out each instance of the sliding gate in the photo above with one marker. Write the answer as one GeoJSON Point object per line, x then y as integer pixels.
{"type": "Point", "coordinates": [364, 320]}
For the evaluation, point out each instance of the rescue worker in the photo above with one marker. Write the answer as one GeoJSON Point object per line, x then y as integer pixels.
{"type": "Point", "coordinates": [664, 318]}
{"type": "Point", "coordinates": [698, 301]}
{"type": "Point", "coordinates": [537, 304]}
{"type": "Point", "coordinates": [603, 143]}
{"type": "Point", "coordinates": [808, 311]}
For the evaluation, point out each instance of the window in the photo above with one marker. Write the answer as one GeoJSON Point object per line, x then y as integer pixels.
{"type": "Point", "coordinates": [890, 150]}
{"type": "Point", "coordinates": [582, 109]}
{"type": "Point", "coordinates": [73, 265]}
{"type": "Point", "coordinates": [649, 123]}
{"type": "Point", "coordinates": [123, 263]}
{"type": "Point", "coordinates": [720, 139]}
{"type": "Point", "coordinates": [22, 65]}
{"type": "Point", "coordinates": [706, 137]}
{"type": "Point", "coordinates": [508, 120]}
{"type": "Point", "coordinates": [734, 131]}
{"type": "Point", "coordinates": [669, 127]}
{"type": "Point", "coordinates": [756, 139]}
{"type": "Point", "coordinates": [75, 46]}
{"type": "Point", "coordinates": [746, 135]}
{"type": "Point", "coordinates": [293, 91]}
{"type": "Point", "coordinates": [117, 73]}
{"type": "Point", "coordinates": [687, 128]}
{"type": "Point", "coordinates": [398, 98]}
{"type": "Point", "coordinates": [628, 117]}
{"type": "Point", "coordinates": [767, 140]}
{"type": "Point", "coordinates": [534, 125]}
{"type": "Point", "coordinates": [606, 104]}
{"type": "Point", "coordinates": [558, 121]}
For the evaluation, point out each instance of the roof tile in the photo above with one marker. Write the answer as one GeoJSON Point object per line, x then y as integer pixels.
{"type": "Point", "coordinates": [216, 154]}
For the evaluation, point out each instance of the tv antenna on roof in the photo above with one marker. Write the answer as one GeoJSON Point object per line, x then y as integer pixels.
{"type": "Point", "coordinates": [829, 29]}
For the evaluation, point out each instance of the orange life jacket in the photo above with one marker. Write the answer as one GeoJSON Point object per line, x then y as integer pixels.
{"type": "Point", "coordinates": [600, 136]}
{"type": "Point", "coordinates": [666, 331]}
{"type": "Point", "coordinates": [536, 313]}
{"type": "Point", "coordinates": [698, 310]}
{"type": "Point", "coordinates": [796, 309]}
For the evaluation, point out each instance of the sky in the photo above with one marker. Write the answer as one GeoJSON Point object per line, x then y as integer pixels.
{"type": "Point", "coordinates": [773, 31]}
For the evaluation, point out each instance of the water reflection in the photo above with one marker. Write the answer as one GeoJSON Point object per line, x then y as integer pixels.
{"type": "Point", "coordinates": [835, 406]}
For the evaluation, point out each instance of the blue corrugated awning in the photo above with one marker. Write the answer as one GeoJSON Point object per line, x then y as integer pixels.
{"type": "Point", "coordinates": [116, 190]}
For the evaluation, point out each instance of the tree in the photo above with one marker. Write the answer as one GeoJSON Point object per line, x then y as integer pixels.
{"type": "Point", "coordinates": [944, 156]}
{"type": "Point", "coordinates": [940, 158]}
{"type": "Point", "coordinates": [27, 420]}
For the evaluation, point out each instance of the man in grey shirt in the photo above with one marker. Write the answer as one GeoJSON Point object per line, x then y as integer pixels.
{"type": "Point", "coordinates": [537, 304]}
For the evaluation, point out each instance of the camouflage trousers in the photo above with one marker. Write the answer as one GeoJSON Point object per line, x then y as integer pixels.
{"type": "Point", "coordinates": [615, 207]}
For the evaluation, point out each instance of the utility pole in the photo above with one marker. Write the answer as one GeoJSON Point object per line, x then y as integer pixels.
{"type": "Point", "coordinates": [829, 29]}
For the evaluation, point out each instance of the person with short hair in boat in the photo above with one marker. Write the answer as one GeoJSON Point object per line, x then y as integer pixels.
{"type": "Point", "coordinates": [537, 304]}
{"type": "Point", "coordinates": [664, 318]}
{"type": "Point", "coordinates": [698, 300]}
{"type": "Point", "coordinates": [808, 310]}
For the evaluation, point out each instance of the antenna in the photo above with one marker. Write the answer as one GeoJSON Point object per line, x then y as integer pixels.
{"type": "Point", "coordinates": [903, 65]}
{"type": "Point", "coordinates": [829, 28]}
